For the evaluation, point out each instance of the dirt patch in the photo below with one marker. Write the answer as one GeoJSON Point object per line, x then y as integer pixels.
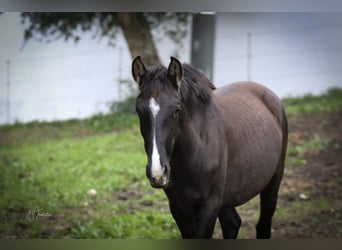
{"type": "Point", "coordinates": [310, 197]}
{"type": "Point", "coordinates": [135, 202]}
{"type": "Point", "coordinates": [316, 185]}
{"type": "Point", "coordinates": [322, 168]}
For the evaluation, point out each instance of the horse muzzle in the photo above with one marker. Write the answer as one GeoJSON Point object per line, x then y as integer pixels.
{"type": "Point", "coordinates": [161, 180]}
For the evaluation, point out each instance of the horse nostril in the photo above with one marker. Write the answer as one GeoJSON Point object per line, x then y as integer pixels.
{"type": "Point", "coordinates": [166, 169]}
{"type": "Point", "coordinates": [157, 179]}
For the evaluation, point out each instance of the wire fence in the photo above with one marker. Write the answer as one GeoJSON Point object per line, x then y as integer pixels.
{"type": "Point", "coordinates": [290, 60]}
{"type": "Point", "coordinates": [67, 85]}
{"type": "Point", "coordinates": [62, 86]}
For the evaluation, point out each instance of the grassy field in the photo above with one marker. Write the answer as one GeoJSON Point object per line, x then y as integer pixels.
{"type": "Point", "coordinates": [86, 178]}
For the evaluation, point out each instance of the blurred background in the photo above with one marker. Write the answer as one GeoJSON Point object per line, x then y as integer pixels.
{"type": "Point", "coordinates": [72, 161]}
{"type": "Point", "coordinates": [63, 66]}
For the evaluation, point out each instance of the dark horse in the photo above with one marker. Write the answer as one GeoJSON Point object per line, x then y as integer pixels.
{"type": "Point", "coordinates": [210, 149]}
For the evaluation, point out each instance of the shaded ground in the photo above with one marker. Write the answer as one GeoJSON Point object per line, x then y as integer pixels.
{"type": "Point", "coordinates": [310, 198]}
{"type": "Point", "coordinates": [314, 188]}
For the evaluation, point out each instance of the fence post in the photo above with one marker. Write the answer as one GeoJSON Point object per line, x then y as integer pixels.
{"type": "Point", "coordinates": [120, 75]}
{"type": "Point", "coordinates": [249, 56]}
{"type": "Point", "coordinates": [8, 93]}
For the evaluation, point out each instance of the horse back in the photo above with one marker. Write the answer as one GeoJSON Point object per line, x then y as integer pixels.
{"type": "Point", "coordinates": [251, 92]}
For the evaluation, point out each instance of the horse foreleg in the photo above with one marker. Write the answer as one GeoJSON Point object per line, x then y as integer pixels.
{"type": "Point", "coordinates": [230, 222]}
{"type": "Point", "coordinates": [196, 224]}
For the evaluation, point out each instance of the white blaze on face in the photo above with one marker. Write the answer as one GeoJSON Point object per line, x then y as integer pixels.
{"type": "Point", "coordinates": [156, 168]}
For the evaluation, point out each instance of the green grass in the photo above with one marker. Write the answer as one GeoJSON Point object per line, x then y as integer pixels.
{"type": "Point", "coordinates": [138, 226]}
{"type": "Point", "coordinates": [52, 167]}
{"type": "Point", "coordinates": [296, 153]}
{"type": "Point", "coordinates": [38, 132]}
{"type": "Point", "coordinates": [327, 102]}
{"type": "Point", "coordinates": [56, 174]}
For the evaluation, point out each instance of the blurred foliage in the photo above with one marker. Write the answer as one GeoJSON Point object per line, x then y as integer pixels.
{"type": "Point", "coordinates": [327, 102]}
{"type": "Point", "coordinates": [109, 122]}
{"type": "Point", "coordinates": [39, 132]}
{"type": "Point", "coordinates": [68, 25]}
{"type": "Point", "coordinates": [136, 27]}
{"type": "Point", "coordinates": [127, 105]}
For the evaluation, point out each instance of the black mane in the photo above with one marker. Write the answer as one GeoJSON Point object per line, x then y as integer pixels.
{"type": "Point", "coordinates": [195, 85]}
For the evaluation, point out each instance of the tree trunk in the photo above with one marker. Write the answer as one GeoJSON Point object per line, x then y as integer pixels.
{"type": "Point", "coordinates": [138, 36]}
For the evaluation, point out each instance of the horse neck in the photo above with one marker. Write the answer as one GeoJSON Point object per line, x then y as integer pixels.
{"type": "Point", "coordinates": [198, 126]}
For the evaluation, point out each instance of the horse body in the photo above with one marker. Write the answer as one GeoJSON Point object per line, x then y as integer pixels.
{"type": "Point", "coordinates": [216, 152]}
{"type": "Point", "coordinates": [255, 139]}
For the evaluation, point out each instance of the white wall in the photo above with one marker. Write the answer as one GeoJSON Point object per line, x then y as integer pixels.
{"type": "Point", "coordinates": [292, 53]}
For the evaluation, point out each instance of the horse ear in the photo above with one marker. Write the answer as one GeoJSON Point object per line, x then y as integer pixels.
{"type": "Point", "coordinates": [138, 69]}
{"type": "Point", "coordinates": [175, 71]}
